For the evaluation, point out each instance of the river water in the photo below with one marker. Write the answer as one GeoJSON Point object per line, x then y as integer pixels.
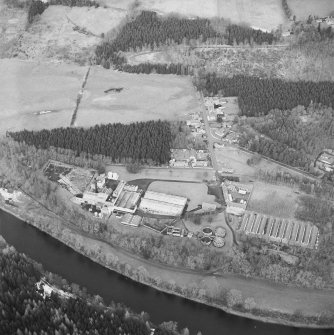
{"type": "Point", "coordinates": [58, 258]}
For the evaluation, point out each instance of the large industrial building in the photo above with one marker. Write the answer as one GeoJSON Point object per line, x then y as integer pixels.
{"type": "Point", "coordinates": [121, 198]}
{"type": "Point", "coordinates": [162, 204]}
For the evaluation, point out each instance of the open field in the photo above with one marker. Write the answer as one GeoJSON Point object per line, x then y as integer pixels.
{"type": "Point", "coordinates": [274, 200]}
{"type": "Point", "coordinates": [52, 35]}
{"type": "Point", "coordinates": [195, 192]}
{"type": "Point", "coordinates": [266, 14]}
{"type": "Point", "coordinates": [144, 97]}
{"type": "Point", "coordinates": [30, 87]}
{"type": "Point", "coordinates": [193, 175]}
{"type": "Point", "coordinates": [303, 8]}
{"type": "Point", "coordinates": [236, 159]}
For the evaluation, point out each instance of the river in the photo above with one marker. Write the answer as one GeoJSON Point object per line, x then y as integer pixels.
{"type": "Point", "coordinates": [58, 258]}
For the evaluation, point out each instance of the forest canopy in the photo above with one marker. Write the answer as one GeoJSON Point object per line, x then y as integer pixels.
{"type": "Point", "coordinates": [24, 309]}
{"type": "Point", "coordinates": [294, 137]}
{"type": "Point", "coordinates": [257, 96]}
{"type": "Point", "coordinates": [144, 142]}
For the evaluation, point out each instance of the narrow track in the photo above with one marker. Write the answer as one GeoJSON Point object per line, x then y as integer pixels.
{"type": "Point", "coordinates": [79, 97]}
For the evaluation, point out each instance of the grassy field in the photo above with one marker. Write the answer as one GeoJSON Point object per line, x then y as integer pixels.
{"type": "Point", "coordinates": [193, 175]}
{"type": "Point", "coordinates": [273, 200]}
{"type": "Point", "coordinates": [52, 36]}
{"type": "Point", "coordinates": [27, 88]}
{"type": "Point", "coordinates": [195, 192]}
{"type": "Point", "coordinates": [236, 159]}
{"type": "Point", "coordinates": [303, 8]}
{"type": "Point", "coordinates": [144, 97]}
{"type": "Point", "coordinates": [30, 87]}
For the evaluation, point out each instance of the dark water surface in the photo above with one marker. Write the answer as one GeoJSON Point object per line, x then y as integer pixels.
{"type": "Point", "coordinates": [58, 258]}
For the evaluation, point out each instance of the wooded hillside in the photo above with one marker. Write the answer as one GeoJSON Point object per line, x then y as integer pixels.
{"type": "Point", "coordinates": [25, 311]}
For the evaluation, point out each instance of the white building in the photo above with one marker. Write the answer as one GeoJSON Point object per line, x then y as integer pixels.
{"type": "Point", "coordinates": [113, 175]}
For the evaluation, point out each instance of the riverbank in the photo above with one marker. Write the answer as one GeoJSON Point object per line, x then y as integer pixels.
{"type": "Point", "coordinates": [107, 250]}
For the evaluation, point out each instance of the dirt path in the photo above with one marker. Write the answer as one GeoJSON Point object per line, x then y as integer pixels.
{"type": "Point", "coordinates": [211, 140]}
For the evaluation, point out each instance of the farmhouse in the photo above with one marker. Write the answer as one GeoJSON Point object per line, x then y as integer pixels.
{"type": "Point", "coordinates": [236, 196]}
{"type": "Point", "coordinates": [189, 158]}
{"type": "Point", "coordinates": [325, 161]}
{"type": "Point", "coordinates": [162, 204]}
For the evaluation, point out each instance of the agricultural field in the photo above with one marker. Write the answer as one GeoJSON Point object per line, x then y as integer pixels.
{"type": "Point", "coordinates": [274, 200]}
{"type": "Point", "coordinates": [303, 8]}
{"type": "Point", "coordinates": [192, 175]}
{"type": "Point", "coordinates": [195, 192]}
{"type": "Point", "coordinates": [265, 14]}
{"type": "Point", "coordinates": [143, 98]}
{"type": "Point", "coordinates": [28, 88]}
{"type": "Point", "coordinates": [52, 35]}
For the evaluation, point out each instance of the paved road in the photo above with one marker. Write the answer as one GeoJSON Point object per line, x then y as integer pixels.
{"type": "Point", "coordinates": [211, 140]}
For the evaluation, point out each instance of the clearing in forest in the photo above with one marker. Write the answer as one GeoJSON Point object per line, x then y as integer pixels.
{"type": "Point", "coordinates": [68, 33]}
{"type": "Point", "coordinates": [142, 98]}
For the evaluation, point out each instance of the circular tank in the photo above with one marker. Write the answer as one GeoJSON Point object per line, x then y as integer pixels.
{"type": "Point", "coordinates": [218, 242]}
{"type": "Point", "coordinates": [207, 231]}
{"type": "Point", "coordinates": [206, 240]}
{"type": "Point", "coordinates": [220, 231]}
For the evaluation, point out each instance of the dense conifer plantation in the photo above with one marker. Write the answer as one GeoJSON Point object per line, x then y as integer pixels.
{"type": "Point", "coordinates": [145, 142]}
{"type": "Point", "coordinates": [150, 30]}
{"type": "Point", "coordinates": [258, 96]}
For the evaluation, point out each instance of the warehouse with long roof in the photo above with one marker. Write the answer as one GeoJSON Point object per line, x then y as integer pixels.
{"type": "Point", "coordinates": [162, 204]}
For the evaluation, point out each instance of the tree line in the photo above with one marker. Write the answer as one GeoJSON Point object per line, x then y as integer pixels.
{"type": "Point", "coordinates": [75, 3]}
{"type": "Point", "coordinates": [24, 310]}
{"type": "Point", "coordinates": [256, 96]}
{"type": "Point", "coordinates": [148, 68]}
{"type": "Point", "coordinates": [286, 9]}
{"type": "Point", "coordinates": [144, 142]}
{"type": "Point", "coordinates": [36, 7]}
{"type": "Point", "coordinates": [148, 30]}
